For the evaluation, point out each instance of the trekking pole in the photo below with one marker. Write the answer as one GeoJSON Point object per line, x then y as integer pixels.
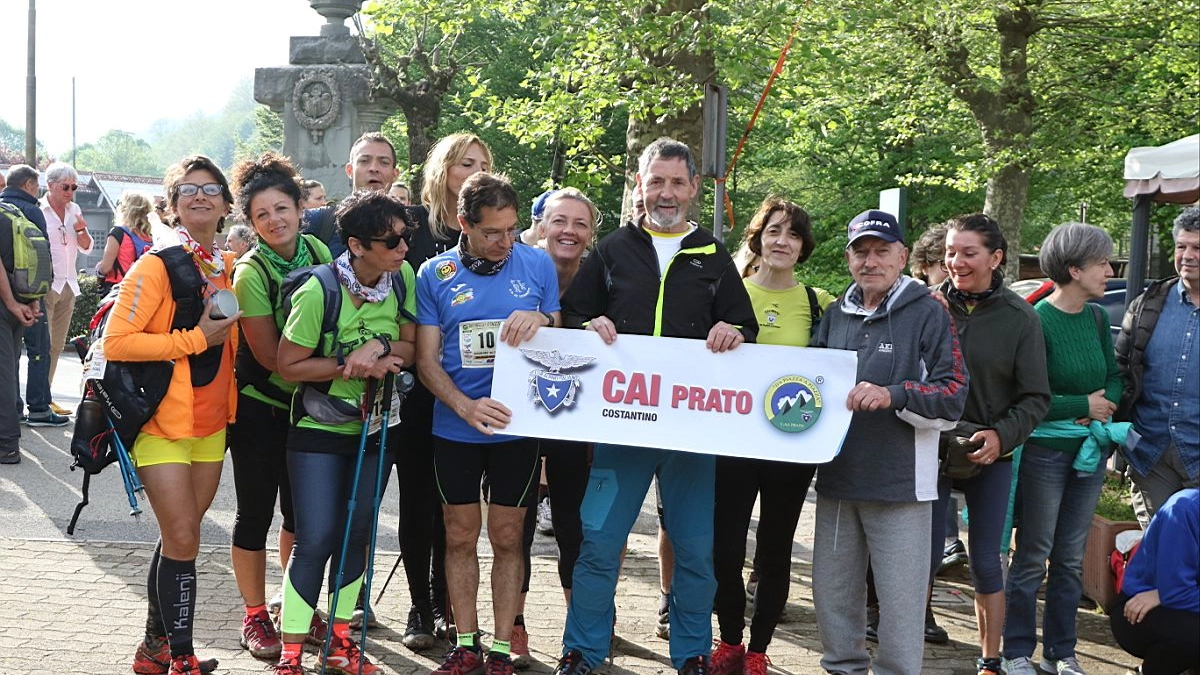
{"type": "Point", "coordinates": [351, 504]}
{"type": "Point", "coordinates": [133, 484]}
{"type": "Point", "coordinates": [405, 384]}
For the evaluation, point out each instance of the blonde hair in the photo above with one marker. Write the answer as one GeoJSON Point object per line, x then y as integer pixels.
{"type": "Point", "coordinates": [134, 209]}
{"type": "Point", "coordinates": [575, 194]}
{"type": "Point", "coordinates": [444, 154]}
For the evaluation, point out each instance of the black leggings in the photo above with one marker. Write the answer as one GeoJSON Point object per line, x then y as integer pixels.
{"type": "Point", "coordinates": [422, 528]}
{"type": "Point", "coordinates": [566, 480]}
{"type": "Point", "coordinates": [258, 448]}
{"type": "Point", "coordinates": [1167, 640]}
{"type": "Point", "coordinates": [322, 482]}
{"type": "Point", "coordinates": [783, 487]}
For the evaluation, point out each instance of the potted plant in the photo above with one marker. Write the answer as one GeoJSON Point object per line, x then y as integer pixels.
{"type": "Point", "coordinates": [1114, 514]}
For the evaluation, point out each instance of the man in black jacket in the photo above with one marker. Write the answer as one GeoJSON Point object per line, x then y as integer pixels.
{"type": "Point", "coordinates": [1157, 351]}
{"type": "Point", "coordinates": [660, 275]}
{"type": "Point", "coordinates": [14, 318]}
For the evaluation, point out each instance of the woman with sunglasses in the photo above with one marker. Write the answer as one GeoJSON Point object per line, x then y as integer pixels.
{"type": "Point", "coordinates": [373, 339]}
{"type": "Point", "coordinates": [180, 451]}
{"type": "Point", "coordinates": [269, 198]}
{"type": "Point", "coordinates": [422, 533]}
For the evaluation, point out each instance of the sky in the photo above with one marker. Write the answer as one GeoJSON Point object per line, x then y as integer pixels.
{"type": "Point", "coordinates": [138, 61]}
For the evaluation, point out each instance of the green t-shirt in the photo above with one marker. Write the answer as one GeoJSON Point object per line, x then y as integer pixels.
{"type": "Point", "coordinates": [356, 326]}
{"type": "Point", "coordinates": [254, 299]}
{"type": "Point", "coordinates": [784, 317]}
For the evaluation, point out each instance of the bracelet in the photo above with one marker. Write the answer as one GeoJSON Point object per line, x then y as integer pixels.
{"type": "Point", "coordinates": [387, 345]}
{"type": "Point", "coordinates": [549, 318]}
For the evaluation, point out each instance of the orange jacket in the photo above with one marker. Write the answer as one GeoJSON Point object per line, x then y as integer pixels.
{"type": "Point", "coordinates": [139, 329]}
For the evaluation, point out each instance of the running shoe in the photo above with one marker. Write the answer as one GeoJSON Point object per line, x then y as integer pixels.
{"type": "Point", "coordinates": [356, 619]}
{"type": "Point", "coordinates": [418, 634]}
{"type": "Point", "coordinates": [59, 410]}
{"type": "Point", "coordinates": [727, 659]}
{"type": "Point", "coordinates": [287, 667]}
{"type": "Point", "coordinates": [572, 663]}
{"type": "Point", "coordinates": [545, 524]}
{"type": "Point", "coordinates": [461, 661]}
{"type": "Point", "coordinates": [518, 648]}
{"type": "Point", "coordinates": [185, 665]}
{"type": "Point", "coordinates": [756, 664]}
{"type": "Point", "coordinates": [498, 664]}
{"type": "Point", "coordinates": [153, 657]}
{"type": "Point", "coordinates": [316, 631]}
{"type": "Point", "coordinates": [954, 555]}
{"type": "Point", "coordinates": [663, 627]}
{"type": "Point", "coordinates": [347, 659]}
{"type": "Point", "coordinates": [1022, 665]}
{"type": "Point", "coordinates": [697, 665]}
{"type": "Point", "coordinates": [275, 604]}
{"type": "Point", "coordinates": [259, 637]}
{"type": "Point", "coordinates": [47, 419]}
{"type": "Point", "coordinates": [1067, 666]}
{"type": "Point", "coordinates": [752, 586]}
{"type": "Point", "coordinates": [990, 666]}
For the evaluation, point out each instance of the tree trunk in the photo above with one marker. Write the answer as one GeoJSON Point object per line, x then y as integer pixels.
{"type": "Point", "coordinates": [1007, 194]}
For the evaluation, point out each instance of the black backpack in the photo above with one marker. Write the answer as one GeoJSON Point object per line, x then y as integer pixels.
{"type": "Point", "coordinates": [131, 391]}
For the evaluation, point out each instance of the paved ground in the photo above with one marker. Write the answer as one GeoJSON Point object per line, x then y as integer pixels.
{"type": "Point", "coordinates": [76, 604]}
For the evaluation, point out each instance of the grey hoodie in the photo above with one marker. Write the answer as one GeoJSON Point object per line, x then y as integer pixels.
{"type": "Point", "coordinates": [908, 345]}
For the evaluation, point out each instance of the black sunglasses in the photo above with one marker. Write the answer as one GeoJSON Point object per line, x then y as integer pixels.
{"type": "Point", "coordinates": [392, 241]}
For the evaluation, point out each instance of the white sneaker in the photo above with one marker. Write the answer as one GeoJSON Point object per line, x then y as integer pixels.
{"type": "Point", "coordinates": [1067, 666]}
{"type": "Point", "coordinates": [1021, 665]}
{"type": "Point", "coordinates": [545, 524]}
{"type": "Point", "coordinates": [274, 604]}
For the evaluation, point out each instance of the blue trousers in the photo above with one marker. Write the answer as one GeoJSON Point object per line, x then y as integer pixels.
{"type": "Point", "coordinates": [617, 487]}
{"type": "Point", "coordinates": [37, 376]}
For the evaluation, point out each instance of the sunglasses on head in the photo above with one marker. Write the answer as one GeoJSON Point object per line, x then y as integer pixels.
{"type": "Point", "coordinates": [190, 189]}
{"type": "Point", "coordinates": [393, 240]}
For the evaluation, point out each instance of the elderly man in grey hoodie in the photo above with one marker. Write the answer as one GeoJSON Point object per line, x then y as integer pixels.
{"type": "Point", "coordinates": [874, 498]}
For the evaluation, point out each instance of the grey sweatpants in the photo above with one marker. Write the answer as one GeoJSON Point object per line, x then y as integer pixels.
{"type": "Point", "coordinates": [895, 537]}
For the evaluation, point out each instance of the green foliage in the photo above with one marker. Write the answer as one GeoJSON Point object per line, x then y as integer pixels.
{"type": "Point", "coordinates": [85, 305]}
{"type": "Point", "coordinates": [267, 134]}
{"type": "Point", "coordinates": [12, 146]}
{"type": "Point", "coordinates": [1115, 499]}
{"type": "Point", "coordinates": [118, 152]}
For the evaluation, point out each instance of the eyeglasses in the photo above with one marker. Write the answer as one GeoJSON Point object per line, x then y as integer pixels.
{"type": "Point", "coordinates": [392, 241]}
{"type": "Point", "coordinates": [67, 187]}
{"type": "Point", "coordinates": [497, 237]}
{"type": "Point", "coordinates": [190, 189]}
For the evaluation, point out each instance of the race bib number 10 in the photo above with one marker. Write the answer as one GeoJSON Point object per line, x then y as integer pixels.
{"type": "Point", "coordinates": [477, 343]}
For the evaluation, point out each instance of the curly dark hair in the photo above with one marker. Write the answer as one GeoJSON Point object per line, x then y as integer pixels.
{"type": "Point", "coordinates": [271, 170]}
{"type": "Point", "coordinates": [368, 214]}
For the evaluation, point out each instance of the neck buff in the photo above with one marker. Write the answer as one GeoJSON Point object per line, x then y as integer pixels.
{"type": "Point", "coordinates": [480, 265]}
{"type": "Point", "coordinates": [345, 275]}
{"type": "Point", "coordinates": [210, 263]}
{"type": "Point", "coordinates": [967, 296]}
{"type": "Point", "coordinates": [303, 257]}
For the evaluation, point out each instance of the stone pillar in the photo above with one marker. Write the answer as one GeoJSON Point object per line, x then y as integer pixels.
{"type": "Point", "coordinates": [323, 96]}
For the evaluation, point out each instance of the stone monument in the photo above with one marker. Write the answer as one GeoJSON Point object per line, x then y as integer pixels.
{"type": "Point", "coordinates": [324, 97]}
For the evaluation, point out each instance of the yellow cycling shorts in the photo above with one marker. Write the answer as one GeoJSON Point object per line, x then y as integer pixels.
{"type": "Point", "coordinates": [149, 449]}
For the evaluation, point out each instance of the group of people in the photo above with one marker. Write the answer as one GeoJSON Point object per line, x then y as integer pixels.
{"type": "Point", "coordinates": [961, 384]}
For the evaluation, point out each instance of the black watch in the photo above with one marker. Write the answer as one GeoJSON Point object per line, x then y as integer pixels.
{"type": "Point", "coordinates": [387, 345]}
{"type": "Point", "coordinates": [550, 318]}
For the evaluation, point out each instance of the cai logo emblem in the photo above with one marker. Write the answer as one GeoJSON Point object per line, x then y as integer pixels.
{"type": "Point", "coordinates": [793, 403]}
{"type": "Point", "coordinates": [550, 387]}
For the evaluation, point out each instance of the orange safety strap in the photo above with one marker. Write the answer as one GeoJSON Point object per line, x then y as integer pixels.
{"type": "Point", "coordinates": [754, 118]}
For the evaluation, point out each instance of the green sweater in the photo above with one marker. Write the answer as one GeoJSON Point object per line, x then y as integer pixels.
{"type": "Point", "coordinates": [1079, 360]}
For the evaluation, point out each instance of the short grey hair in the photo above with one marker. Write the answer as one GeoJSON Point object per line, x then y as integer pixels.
{"type": "Point", "coordinates": [242, 233]}
{"type": "Point", "coordinates": [667, 148]}
{"type": "Point", "coordinates": [1072, 245]}
{"type": "Point", "coordinates": [1188, 221]}
{"type": "Point", "coordinates": [59, 172]}
{"type": "Point", "coordinates": [21, 174]}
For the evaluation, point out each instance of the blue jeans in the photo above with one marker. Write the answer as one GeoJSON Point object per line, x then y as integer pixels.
{"type": "Point", "coordinates": [37, 376]}
{"type": "Point", "coordinates": [616, 489]}
{"type": "Point", "coordinates": [1053, 510]}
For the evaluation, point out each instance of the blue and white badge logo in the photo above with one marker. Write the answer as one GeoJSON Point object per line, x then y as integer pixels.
{"type": "Point", "coordinates": [552, 388]}
{"type": "Point", "coordinates": [793, 403]}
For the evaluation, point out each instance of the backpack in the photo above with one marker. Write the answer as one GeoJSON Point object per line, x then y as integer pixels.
{"type": "Point", "coordinates": [131, 247]}
{"type": "Point", "coordinates": [814, 310]}
{"type": "Point", "coordinates": [130, 391]}
{"type": "Point", "coordinates": [32, 270]}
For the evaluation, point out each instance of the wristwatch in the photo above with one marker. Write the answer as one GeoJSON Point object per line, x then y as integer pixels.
{"type": "Point", "coordinates": [549, 318]}
{"type": "Point", "coordinates": [387, 345]}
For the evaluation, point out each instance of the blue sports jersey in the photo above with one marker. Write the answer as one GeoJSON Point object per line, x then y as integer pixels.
{"type": "Point", "coordinates": [468, 308]}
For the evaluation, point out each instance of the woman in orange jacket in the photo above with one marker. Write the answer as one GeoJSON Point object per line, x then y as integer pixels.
{"type": "Point", "coordinates": [179, 452]}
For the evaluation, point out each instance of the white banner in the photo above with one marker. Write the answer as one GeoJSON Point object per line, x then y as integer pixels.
{"type": "Point", "coordinates": [760, 401]}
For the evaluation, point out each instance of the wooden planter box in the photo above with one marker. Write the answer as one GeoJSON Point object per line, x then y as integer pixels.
{"type": "Point", "coordinates": [1098, 578]}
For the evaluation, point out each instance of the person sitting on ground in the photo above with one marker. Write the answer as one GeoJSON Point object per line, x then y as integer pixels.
{"type": "Point", "coordinates": [373, 340]}
{"type": "Point", "coordinates": [1156, 617]}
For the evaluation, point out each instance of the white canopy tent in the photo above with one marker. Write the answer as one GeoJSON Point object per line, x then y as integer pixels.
{"type": "Point", "coordinates": [1167, 174]}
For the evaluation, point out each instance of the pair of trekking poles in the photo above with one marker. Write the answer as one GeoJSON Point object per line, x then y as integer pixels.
{"type": "Point", "coordinates": [401, 388]}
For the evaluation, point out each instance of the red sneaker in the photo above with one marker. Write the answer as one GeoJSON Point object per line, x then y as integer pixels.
{"type": "Point", "coordinates": [461, 661]}
{"type": "Point", "coordinates": [519, 648]}
{"type": "Point", "coordinates": [287, 667]}
{"type": "Point", "coordinates": [346, 658]}
{"type": "Point", "coordinates": [316, 631]}
{"type": "Point", "coordinates": [260, 638]}
{"type": "Point", "coordinates": [756, 663]}
{"type": "Point", "coordinates": [185, 665]}
{"type": "Point", "coordinates": [727, 659]}
{"type": "Point", "coordinates": [153, 657]}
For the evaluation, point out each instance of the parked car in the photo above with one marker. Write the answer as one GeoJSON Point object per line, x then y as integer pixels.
{"type": "Point", "coordinates": [1113, 301]}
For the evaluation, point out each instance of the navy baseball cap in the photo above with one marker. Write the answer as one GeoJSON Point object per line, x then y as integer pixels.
{"type": "Point", "coordinates": [874, 223]}
{"type": "Point", "coordinates": [539, 204]}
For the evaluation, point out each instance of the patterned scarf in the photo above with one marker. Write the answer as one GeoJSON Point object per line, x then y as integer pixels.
{"type": "Point", "coordinates": [481, 266]}
{"type": "Point", "coordinates": [303, 257]}
{"type": "Point", "coordinates": [345, 273]}
{"type": "Point", "coordinates": [967, 296]}
{"type": "Point", "coordinates": [210, 263]}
